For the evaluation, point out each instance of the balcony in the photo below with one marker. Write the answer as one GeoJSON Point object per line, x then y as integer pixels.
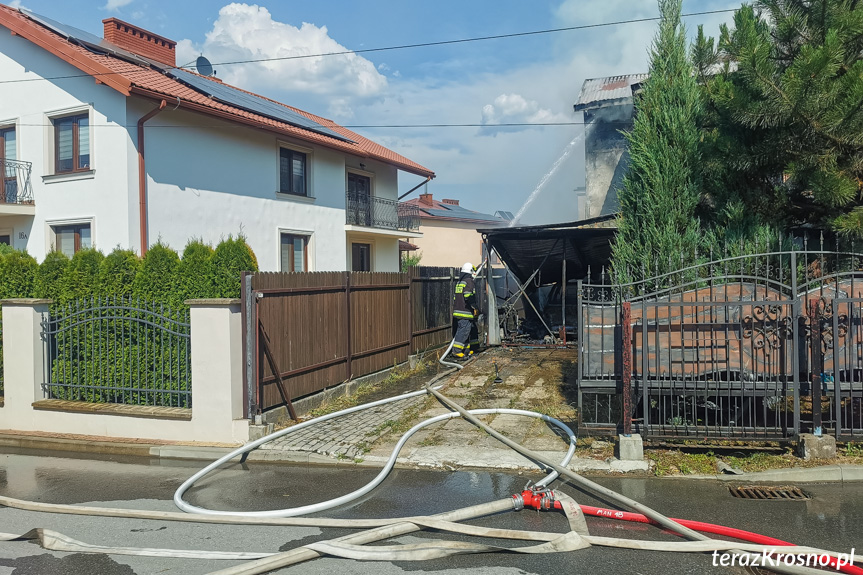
{"type": "Point", "coordinates": [369, 211]}
{"type": "Point", "coordinates": [16, 190]}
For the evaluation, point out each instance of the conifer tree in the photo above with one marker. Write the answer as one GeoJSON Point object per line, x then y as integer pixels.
{"type": "Point", "coordinates": [660, 191]}
{"type": "Point", "coordinates": [785, 96]}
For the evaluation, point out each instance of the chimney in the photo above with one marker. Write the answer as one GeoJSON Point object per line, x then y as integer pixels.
{"type": "Point", "coordinates": [426, 199]}
{"type": "Point", "coordinates": [451, 202]}
{"type": "Point", "coordinates": [140, 41]}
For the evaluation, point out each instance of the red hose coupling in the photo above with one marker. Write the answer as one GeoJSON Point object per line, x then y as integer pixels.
{"type": "Point", "coordinates": [540, 499]}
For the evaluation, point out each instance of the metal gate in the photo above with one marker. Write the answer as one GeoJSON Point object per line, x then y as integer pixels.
{"type": "Point", "coordinates": [756, 347]}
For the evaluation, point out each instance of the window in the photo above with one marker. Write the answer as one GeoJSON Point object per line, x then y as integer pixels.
{"type": "Point", "coordinates": [71, 238]}
{"type": "Point", "coordinates": [361, 257]}
{"type": "Point", "coordinates": [6, 238]}
{"type": "Point", "coordinates": [358, 184]}
{"type": "Point", "coordinates": [292, 172]}
{"type": "Point", "coordinates": [71, 144]}
{"type": "Point", "coordinates": [8, 151]}
{"type": "Point", "coordinates": [359, 200]}
{"type": "Point", "coordinates": [294, 253]}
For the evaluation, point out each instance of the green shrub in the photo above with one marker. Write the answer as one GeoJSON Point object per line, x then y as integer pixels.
{"type": "Point", "coordinates": [49, 278]}
{"type": "Point", "coordinates": [5, 249]}
{"type": "Point", "coordinates": [17, 275]}
{"type": "Point", "coordinates": [231, 259]}
{"type": "Point", "coordinates": [156, 279]}
{"type": "Point", "coordinates": [195, 272]}
{"type": "Point", "coordinates": [117, 272]}
{"type": "Point", "coordinates": [81, 279]}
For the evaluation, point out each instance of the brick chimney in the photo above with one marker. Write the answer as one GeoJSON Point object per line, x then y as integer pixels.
{"type": "Point", "coordinates": [426, 199]}
{"type": "Point", "coordinates": [140, 41]}
{"type": "Point", "coordinates": [450, 202]}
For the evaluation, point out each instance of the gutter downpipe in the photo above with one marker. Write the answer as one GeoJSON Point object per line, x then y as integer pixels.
{"type": "Point", "coordinates": [142, 175]}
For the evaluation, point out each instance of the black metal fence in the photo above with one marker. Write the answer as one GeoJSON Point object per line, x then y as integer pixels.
{"type": "Point", "coordinates": [118, 350]}
{"type": "Point", "coordinates": [758, 347]}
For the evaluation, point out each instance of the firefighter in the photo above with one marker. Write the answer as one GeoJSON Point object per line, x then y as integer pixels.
{"type": "Point", "coordinates": [465, 313]}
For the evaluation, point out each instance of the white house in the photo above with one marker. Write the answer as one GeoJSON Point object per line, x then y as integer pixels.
{"type": "Point", "coordinates": [104, 142]}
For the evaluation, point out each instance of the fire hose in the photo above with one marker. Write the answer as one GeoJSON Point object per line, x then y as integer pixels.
{"type": "Point", "coordinates": [353, 546]}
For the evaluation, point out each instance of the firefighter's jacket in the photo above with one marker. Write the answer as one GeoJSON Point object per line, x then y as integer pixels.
{"type": "Point", "coordinates": [464, 302]}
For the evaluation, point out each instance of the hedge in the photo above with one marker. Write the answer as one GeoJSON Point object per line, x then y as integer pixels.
{"type": "Point", "coordinates": [231, 259]}
{"type": "Point", "coordinates": [18, 272]}
{"type": "Point", "coordinates": [114, 347]}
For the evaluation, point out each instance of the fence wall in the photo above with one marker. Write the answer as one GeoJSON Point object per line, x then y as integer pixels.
{"type": "Point", "coordinates": [316, 330]}
{"type": "Point", "coordinates": [216, 370]}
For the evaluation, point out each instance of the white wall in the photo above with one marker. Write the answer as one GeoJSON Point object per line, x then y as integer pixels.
{"type": "Point", "coordinates": [99, 196]}
{"type": "Point", "coordinates": [206, 178]}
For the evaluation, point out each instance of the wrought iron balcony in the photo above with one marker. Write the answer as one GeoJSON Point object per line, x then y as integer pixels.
{"type": "Point", "coordinates": [367, 210]}
{"type": "Point", "coordinates": [16, 182]}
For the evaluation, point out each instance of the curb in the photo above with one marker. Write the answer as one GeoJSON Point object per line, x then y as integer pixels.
{"type": "Point", "coordinates": [823, 474]}
{"type": "Point", "coordinates": [421, 458]}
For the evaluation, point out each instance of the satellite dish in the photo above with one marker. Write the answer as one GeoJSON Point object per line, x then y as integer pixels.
{"type": "Point", "coordinates": [204, 67]}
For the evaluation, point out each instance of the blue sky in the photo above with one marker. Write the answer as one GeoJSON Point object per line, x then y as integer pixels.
{"type": "Point", "coordinates": [527, 79]}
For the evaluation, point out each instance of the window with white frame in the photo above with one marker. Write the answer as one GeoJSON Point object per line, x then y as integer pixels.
{"type": "Point", "coordinates": [294, 252]}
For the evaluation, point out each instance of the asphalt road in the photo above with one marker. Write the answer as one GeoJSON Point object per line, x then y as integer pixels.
{"type": "Point", "coordinates": [832, 518]}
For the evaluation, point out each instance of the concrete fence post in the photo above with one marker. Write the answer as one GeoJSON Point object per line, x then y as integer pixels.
{"type": "Point", "coordinates": [217, 369]}
{"type": "Point", "coordinates": [23, 354]}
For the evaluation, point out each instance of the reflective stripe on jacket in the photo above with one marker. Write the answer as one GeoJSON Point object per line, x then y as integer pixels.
{"type": "Point", "coordinates": [464, 298]}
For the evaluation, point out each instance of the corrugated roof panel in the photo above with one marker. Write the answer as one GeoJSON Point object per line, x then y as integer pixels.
{"type": "Point", "coordinates": [462, 214]}
{"type": "Point", "coordinates": [596, 90]}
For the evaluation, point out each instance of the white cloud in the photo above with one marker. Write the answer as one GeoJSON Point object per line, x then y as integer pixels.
{"type": "Point", "coordinates": [16, 4]}
{"type": "Point", "coordinates": [516, 109]}
{"type": "Point", "coordinates": [487, 174]}
{"type": "Point", "coordinates": [113, 5]}
{"type": "Point", "coordinates": [245, 32]}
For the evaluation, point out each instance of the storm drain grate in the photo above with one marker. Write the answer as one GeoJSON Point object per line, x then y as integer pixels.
{"type": "Point", "coordinates": [787, 492]}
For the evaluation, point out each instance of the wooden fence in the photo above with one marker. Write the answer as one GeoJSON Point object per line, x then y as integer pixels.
{"type": "Point", "coordinates": [317, 330]}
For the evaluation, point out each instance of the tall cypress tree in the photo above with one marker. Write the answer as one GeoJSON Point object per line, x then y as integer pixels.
{"type": "Point", "coordinates": [787, 112]}
{"type": "Point", "coordinates": [657, 228]}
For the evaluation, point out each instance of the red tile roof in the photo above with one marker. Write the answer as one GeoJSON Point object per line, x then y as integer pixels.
{"type": "Point", "coordinates": [128, 78]}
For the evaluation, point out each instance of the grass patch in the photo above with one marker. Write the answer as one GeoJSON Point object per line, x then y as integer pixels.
{"type": "Point", "coordinates": [666, 462]}
{"type": "Point", "coordinates": [557, 409]}
{"type": "Point", "coordinates": [395, 377]}
{"type": "Point", "coordinates": [762, 461]}
{"type": "Point", "coordinates": [854, 450]}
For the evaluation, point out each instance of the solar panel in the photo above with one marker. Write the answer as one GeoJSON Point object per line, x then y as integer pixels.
{"type": "Point", "coordinates": [220, 92]}
{"type": "Point", "coordinates": [251, 103]}
{"type": "Point", "coordinates": [85, 38]}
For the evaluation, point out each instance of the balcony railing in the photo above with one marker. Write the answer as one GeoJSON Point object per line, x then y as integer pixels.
{"type": "Point", "coordinates": [16, 182]}
{"type": "Point", "coordinates": [367, 210]}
